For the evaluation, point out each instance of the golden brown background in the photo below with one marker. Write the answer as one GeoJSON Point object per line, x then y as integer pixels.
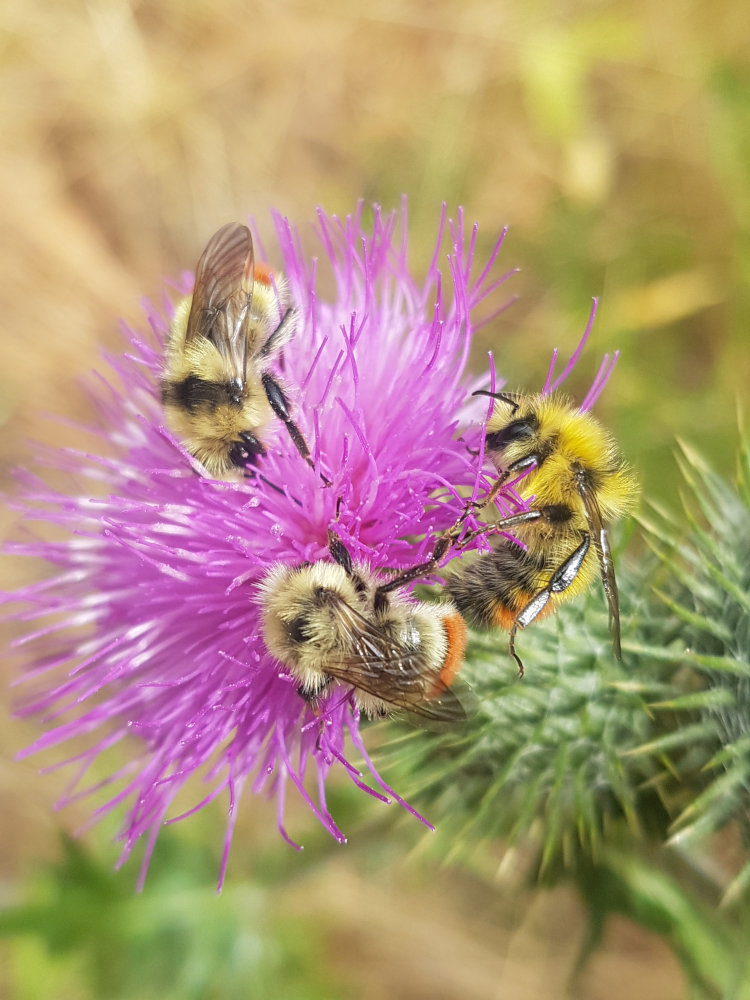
{"type": "Point", "coordinates": [612, 138]}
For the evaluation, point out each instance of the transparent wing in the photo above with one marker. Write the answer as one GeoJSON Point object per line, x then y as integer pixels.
{"type": "Point", "coordinates": [222, 296]}
{"type": "Point", "coordinates": [392, 671]}
{"type": "Point", "coordinates": [606, 564]}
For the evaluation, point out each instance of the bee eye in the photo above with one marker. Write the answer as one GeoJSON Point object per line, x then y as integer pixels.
{"type": "Point", "coordinates": [239, 455]}
{"type": "Point", "coordinates": [296, 629]}
{"type": "Point", "coordinates": [516, 430]}
{"type": "Point", "coordinates": [246, 450]}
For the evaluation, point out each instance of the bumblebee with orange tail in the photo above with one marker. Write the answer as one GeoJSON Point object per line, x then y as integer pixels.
{"type": "Point", "coordinates": [577, 483]}
{"type": "Point", "coordinates": [338, 621]}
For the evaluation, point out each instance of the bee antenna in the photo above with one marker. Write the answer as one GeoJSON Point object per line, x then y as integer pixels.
{"type": "Point", "coordinates": [505, 396]}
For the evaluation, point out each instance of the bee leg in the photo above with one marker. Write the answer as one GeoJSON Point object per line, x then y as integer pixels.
{"type": "Point", "coordinates": [246, 453]}
{"type": "Point", "coordinates": [442, 547]}
{"type": "Point", "coordinates": [280, 406]}
{"type": "Point", "coordinates": [313, 701]}
{"type": "Point", "coordinates": [448, 540]}
{"type": "Point", "coordinates": [512, 649]}
{"type": "Point", "coordinates": [313, 697]}
{"type": "Point", "coordinates": [251, 474]}
{"type": "Point", "coordinates": [340, 553]}
{"type": "Point", "coordinates": [474, 506]}
{"type": "Point", "coordinates": [523, 517]}
{"type": "Point", "coordinates": [562, 578]}
{"type": "Point", "coordinates": [515, 469]}
{"type": "Point", "coordinates": [321, 732]}
{"type": "Point", "coordinates": [283, 332]}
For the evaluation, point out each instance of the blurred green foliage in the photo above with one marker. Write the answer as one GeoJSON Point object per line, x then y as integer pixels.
{"type": "Point", "coordinates": [83, 932]}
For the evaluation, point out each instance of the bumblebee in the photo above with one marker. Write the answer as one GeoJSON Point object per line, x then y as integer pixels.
{"type": "Point", "coordinates": [334, 621]}
{"type": "Point", "coordinates": [218, 393]}
{"type": "Point", "coordinates": [577, 483]}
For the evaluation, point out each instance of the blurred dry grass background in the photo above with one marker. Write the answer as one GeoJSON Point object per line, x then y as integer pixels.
{"type": "Point", "coordinates": [613, 138]}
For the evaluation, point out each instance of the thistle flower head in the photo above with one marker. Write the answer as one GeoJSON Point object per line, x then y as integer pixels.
{"type": "Point", "coordinates": [149, 626]}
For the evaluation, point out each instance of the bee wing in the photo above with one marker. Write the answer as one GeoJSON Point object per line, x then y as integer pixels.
{"type": "Point", "coordinates": [606, 564]}
{"type": "Point", "coordinates": [392, 671]}
{"type": "Point", "coordinates": [223, 292]}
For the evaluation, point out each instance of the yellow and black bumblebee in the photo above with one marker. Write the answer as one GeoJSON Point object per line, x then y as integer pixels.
{"type": "Point", "coordinates": [218, 393]}
{"type": "Point", "coordinates": [577, 483]}
{"type": "Point", "coordinates": [338, 621]}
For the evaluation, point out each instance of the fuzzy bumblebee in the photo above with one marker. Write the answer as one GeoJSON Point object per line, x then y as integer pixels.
{"type": "Point", "coordinates": [338, 621]}
{"type": "Point", "coordinates": [577, 483]}
{"type": "Point", "coordinates": [218, 393]}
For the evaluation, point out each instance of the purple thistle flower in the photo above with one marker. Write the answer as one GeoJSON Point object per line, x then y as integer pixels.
{"type": "Point", "coordinates": [150, 625]}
